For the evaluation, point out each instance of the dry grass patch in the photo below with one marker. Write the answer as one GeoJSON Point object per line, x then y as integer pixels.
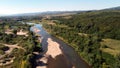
{"type": "Point", "coordinates": [67, 17]}
{"type": "Point", "coordinates": [83, 34]}
{"type": "Point", "coordinates": [111, 46]}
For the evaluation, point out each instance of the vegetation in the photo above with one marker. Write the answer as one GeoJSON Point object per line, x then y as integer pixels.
{"type": "Point", "coordinates": [85, 31]}
{"type": "Point", "coordinates": [111, 46]}
{"type": "Point", "coordinates": [22, 45]}
{"type": "Point", "coordinates": [94, 35]}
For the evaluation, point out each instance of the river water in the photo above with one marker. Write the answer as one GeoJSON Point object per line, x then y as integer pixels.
{"type": "Point", "coordinates": [71, 58]}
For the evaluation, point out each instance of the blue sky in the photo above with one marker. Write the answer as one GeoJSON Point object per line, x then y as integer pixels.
{"type": "Point", "coordinates": [27, 6]}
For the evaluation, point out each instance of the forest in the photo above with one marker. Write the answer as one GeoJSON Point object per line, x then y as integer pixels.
{"type": "Point", "coordinates": [85, 32]}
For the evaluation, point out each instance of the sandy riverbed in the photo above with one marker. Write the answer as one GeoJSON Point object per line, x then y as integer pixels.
{"type": "Point", "coordinates": [54, 57]}
{"type": "Point", "coordinates": [53, 48]}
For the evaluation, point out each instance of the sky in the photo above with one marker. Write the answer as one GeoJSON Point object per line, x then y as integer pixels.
{"type": "Point", "coordinates": [8, 7]}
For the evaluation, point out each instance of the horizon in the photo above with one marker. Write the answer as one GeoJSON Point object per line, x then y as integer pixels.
{"type": "Point", "coordinates": [31, 6]}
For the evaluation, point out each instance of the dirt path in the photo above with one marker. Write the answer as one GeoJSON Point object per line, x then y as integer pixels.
{"type": "Point", "coordinates": [22, 33]}
{"type": "Point", "coordinates": [11, 47]}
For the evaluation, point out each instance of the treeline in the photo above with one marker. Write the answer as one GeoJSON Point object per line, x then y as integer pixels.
{"type": "Point", "coordinates": [93, 26]}
{"type": "Point", "coordinates": [12, 19]}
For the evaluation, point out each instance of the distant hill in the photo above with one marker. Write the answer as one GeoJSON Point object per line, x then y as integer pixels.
{"type": "Point", "coordinates": [2, 15]}
{"type": "Point", "coordinates": [61, 12]}
{"type": "Point", "coordinates": [113, 8]}
{"type": "Point", "coordinates": [48, 13]}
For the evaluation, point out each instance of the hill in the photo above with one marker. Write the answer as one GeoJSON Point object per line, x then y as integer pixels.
{"type": "Point", "coordinates": [114, 8]}
{"type": "Point", "coordinates": [87, 33]}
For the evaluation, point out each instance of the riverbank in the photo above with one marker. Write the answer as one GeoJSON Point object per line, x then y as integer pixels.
{"type": "Point", "coordinates": [84, 64]}
{"type": "Point", "coordinates": [53, 58]}
{"type": "Point", "coordinates": [57, 54]}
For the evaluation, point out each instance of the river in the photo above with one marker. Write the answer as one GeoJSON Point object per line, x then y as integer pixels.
{"type": "Point", "coordinates": [68, 59]}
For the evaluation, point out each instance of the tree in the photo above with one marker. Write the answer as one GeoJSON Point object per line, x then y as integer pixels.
{"type": "Point", "coordinates": [15, 32]}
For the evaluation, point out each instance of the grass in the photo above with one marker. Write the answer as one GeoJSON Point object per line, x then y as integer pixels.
{"type": "Point", "coordinates": [112, 46]}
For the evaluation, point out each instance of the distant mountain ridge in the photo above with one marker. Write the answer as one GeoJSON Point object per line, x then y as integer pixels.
{"type": "Point", "coordinates": [58, 12]}
{"type": "Point", "coordinates": [62, 12]}
{"type": "Point", "coordinates": [47, 13]}
{"type": "Point", "coordinates": [113, 8]}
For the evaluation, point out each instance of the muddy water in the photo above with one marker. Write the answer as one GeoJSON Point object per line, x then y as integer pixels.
{"type": "Point", "coordinates": [69, 58]}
